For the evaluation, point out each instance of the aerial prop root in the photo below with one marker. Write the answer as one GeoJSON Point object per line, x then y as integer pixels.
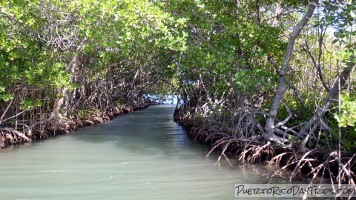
{"type": "Point", "coordinates": [346, 174]}
{"type": "Point", "coordinates": [12, 136]}
{"type": "Point", "coordinates": [257, 153]}
{"type": "Point", "coordinates": [225, 144]}
{"type": "Point", "coordinates": [319, 169]}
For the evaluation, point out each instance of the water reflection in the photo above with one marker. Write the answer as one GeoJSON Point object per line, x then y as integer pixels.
{"type": "Point", "coordinates": [142, 155]}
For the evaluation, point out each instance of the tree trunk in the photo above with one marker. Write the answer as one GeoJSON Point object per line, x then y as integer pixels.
{"type": "Point", "coordinates": [56, 115]}
{"type": "Point", "coordinates": [282, 87]}
{"type": "Point", "coordinates": [72, 69]}
{"type": "Point", "coordinates": [331, 98]}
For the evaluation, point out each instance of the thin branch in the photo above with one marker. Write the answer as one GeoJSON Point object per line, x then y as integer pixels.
{"type": "Point", "coordinates": [7, 108]}
{"type": "Point", "coordinates": [287, 118]}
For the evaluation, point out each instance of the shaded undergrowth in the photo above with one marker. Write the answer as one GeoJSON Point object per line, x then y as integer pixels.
{"type": "Point", "coordinates": [47, 128]}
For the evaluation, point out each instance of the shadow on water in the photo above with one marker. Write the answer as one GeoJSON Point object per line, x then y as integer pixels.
{"type": "Point", "coordinates": [144, 132]}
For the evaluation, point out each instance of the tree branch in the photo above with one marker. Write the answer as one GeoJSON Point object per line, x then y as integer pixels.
{"type": "Point", "coordinates": [282, 88]}
{"type": "Point", "coordinates": [332, 95]}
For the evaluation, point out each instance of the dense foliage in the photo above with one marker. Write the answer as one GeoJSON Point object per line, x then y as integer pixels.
{"type": "Point", "coordinates": [276, 63]}
{"type": "Point", "coordinates": [75, 55]}
{"type": "Point", "coordinates": [277, 70]}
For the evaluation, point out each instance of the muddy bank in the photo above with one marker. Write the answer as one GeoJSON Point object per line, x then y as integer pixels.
{"type": "Point", "coordinates": [320, 165]}
{"type": "Point", "coordinates": [45, 129]}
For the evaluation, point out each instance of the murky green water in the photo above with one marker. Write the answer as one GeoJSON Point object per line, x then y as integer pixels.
{"type": "Point", "coordinates": [143, 155]}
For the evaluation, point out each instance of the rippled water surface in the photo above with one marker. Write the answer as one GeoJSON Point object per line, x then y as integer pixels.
{"type": "Point", "coordinates": [142, 155]}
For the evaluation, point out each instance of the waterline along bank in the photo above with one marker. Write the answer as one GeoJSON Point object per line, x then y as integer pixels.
{"type": "Point", "coordinates": [47, 128]}
{"type": "Point", "coordinates": [318, 165]}
{"type": "Point", "coordinates": [142, 155]}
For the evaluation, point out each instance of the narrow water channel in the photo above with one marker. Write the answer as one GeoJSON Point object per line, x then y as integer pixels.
{"type": "Point", "coordinates": [142, 155]}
